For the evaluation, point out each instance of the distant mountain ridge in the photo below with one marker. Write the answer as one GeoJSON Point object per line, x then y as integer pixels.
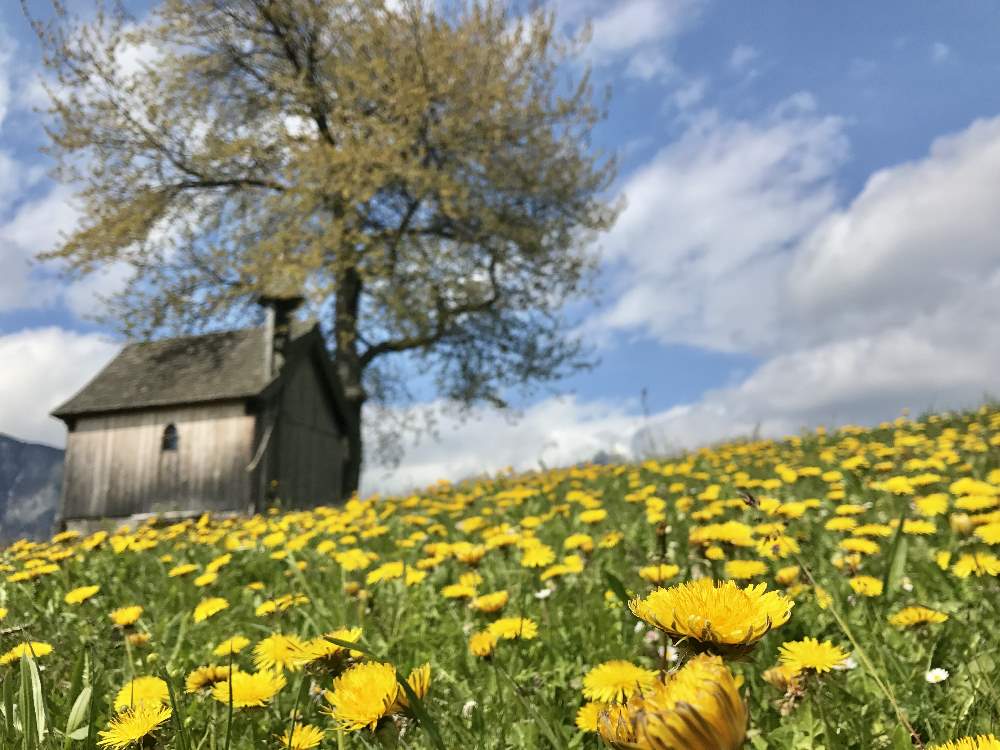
{"type": "Point", "coordinates": [30, 481]}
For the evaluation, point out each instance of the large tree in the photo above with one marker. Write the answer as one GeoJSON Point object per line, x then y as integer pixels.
{"type": "Point", "coordinates": [421, 173]}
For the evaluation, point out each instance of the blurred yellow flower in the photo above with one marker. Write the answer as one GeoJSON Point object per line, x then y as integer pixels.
{"type": "Point", "coordinates": [616, 680]}
{"type": "Point", "coordinates": [249, 689]}
{"type": "Point", "coordinates": [125, 616]}
{"type": "Point", "coordinates": [696, 708]}
{"type": "Point", "coordinates": [81, 594]}
{"type": "Point", "coordinates": [811, 655]}
{"type": "Point", "coordinates": [142, 690]}
{"type": "Point", "coordinates": [302, 737]}
{"type": "Point", "coordinates": [208, 607]}
{"type": "Point", "coordinates": [866, 585]}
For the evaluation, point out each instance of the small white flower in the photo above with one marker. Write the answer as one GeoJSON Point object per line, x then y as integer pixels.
{"type": "Point", "coordinates": [936, 675]}
{"type": "Point", "coordinates": [906, 584]}
{"type": "Point", "coordinates": [543, 593]}
{"type": "Point", "coordinates": [639, 627]}
{"type": "Point", "coordinates": [652, 636]}
{"type": "Point", "coordinates": [468, 708]}
{"type": "Point", "coordinates": [849, 663]}
{"type": "Point", "coordinates": [672, 654]}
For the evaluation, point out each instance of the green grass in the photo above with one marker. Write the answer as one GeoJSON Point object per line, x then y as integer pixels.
{"type": "Point", "coordinates": [527, 694]}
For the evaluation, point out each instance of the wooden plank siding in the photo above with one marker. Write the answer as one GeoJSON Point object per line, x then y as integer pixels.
{"type": "Point", "coordinates": [116, 467]}
{"type": "Point", "coordinates": [310, 452]}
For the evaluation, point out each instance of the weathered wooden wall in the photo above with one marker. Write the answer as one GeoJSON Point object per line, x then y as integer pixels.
{"type": "Point", "coordinates": [114, 465]}
{"type": "Point", "coordinates": [310, 452]}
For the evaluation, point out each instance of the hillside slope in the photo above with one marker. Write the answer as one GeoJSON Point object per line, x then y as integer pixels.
{"type": "Point", "coordinates": [30, 479]}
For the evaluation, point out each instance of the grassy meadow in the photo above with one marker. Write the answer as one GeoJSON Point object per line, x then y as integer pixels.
{"type": "Point", "coordinates": [572, 608]}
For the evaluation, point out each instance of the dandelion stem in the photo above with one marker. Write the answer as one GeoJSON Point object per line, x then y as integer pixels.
{"type": "Point", "coordinates": [865, 661]}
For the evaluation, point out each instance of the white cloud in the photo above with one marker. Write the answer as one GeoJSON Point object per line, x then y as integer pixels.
{"type": "Point", "coordinates": [639, 32]}
{"type": "Point", "coordinates": [554, 432]}
{"type": "Point", "coordinates": [940, 52]}
{"type": "Point", "coordinates": [690, 93]}
{"type": "Point", "coordinates": [889, 301]}
{"type": "Point", "coordinates": [85, 296]}
{"type": "Point", "coordinates": [35, 227]}
{"type": "Point", "coordinates": [697, 250]}
{"type": "Point", "coordinates": [919, 236]}
{"type": "Point", "coordinates": [7, 49]}
{"type": "Point", "coordinates": [741, 56]}
{"type": "Point", "coordinates": [42, 367]}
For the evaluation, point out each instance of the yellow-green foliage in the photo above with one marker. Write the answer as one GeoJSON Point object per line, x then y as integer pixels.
{"type": "Point", "coordinates": [522, 611]}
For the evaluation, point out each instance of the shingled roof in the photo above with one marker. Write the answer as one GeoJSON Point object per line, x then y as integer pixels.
{"type": "Point", "coordinates": [185, 370]}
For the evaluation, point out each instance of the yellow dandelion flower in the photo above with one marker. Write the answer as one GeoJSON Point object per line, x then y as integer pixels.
{"type": "Point", "coordinates": [537, 556]}
{"type": "Point", "coordinates": [231, 646]}
{"type": "Point", "coordinates": [810, 654]}
{"type": "Point", "coordinates": [716, 613]}
{"type": "Point", "coordinates": [698, 706]}
{"type": "Point", "coordinates": [840, 523]}
{"type": "Point", "coordinates": [979, 742]}
{"type": "Point", "coordinates": [873, 529]}
{"type": "Point", "coordinates": [281, 652]}
{"type": "Point", "coordinates": [866, 586]}
{"type": "Point", "coordinates": [587, 716]}
{"type": "Point", "coordinates": [385, 572]}
{"type": "Point", "coordinates": [81, 594]}
{"type": "Point", "coordinates": [493, 602]}
{"type": "Point", "coordinates": [932, 505]}
{"type": "Point", "coordinates": [781, 677]}
{"type": "Point", "coordinates": [138, 639]}
{"type": "Point", "coordinates": [788, 575]}
{"type": "Point", "coordinates": [458, 591]}
{"type": "Point", "coordinates": [34, 649]}
{"type": "Point", "coordinates": [715, 552]}
{"type": "Point", "coordinates": [616, 680]}
{"type": "Point", "coordinates": [303, 737]}
{"type": "Point", "coordinates": [610, 540]}
{"type": "Point", "coordinates": [658, 573]}
{"type": "Point", "coordinates": [206, 677]}
{"type": "Point", "coordinates": [989, 533]}
{"type": "Point", "coordinates": [509, 628]}
{"type": "Point", "coordinates": [249, 689]}
{"type": "Point", "coordinates": [917, 526]}
{"type": "Point", "coordinates": [182, 570]}
{"type": "Point", "coordinates": [324, 648]}
{"type": "Point", "coordinates": [911, 616]}
{"type": "Point", "coordinates": [741, 570]}
{"type": "Point", "coordinates": [860, 545]}
{"type": "Point", "coordinates": [362, 695]}
{"type": "Point", "coordinates": [471, 578]}
{"type": "Point", "coordinates": [978, 564]}
{"type": "Point", "coordinates": [579, 541]}
{"type": "Point", "coordinates": [206, 578]}
{"type": "Point", "coordinates": [142, 690]}
{"type": "Point", "coordinates": [419, 682]}
{"type": "Point", "coordinates": [131, 725]}
{"type": "Point", "coordinates": [482, 644]}
{"type": "Point", "coordinates": [592, 516]}
{"type": "Point", "coordinates": [208, 607]}
{"type": "Point", "coordinates": [125, 616]}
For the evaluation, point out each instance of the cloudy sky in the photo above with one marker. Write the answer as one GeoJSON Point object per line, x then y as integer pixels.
{"type": "Point", "coordinates": [812, 234]}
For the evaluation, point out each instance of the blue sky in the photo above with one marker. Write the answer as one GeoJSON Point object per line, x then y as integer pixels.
{"type": "Point", "coordinates": [812, 195]}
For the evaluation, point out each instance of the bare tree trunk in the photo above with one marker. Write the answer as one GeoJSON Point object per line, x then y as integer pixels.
{"type": "Point", "coordinates": [347, 362]}
{"type": "Point", "coordinates": [352, 467]}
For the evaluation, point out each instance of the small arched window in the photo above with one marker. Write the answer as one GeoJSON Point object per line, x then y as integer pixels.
{"type": "Point", "coordinates": [169, 440]}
